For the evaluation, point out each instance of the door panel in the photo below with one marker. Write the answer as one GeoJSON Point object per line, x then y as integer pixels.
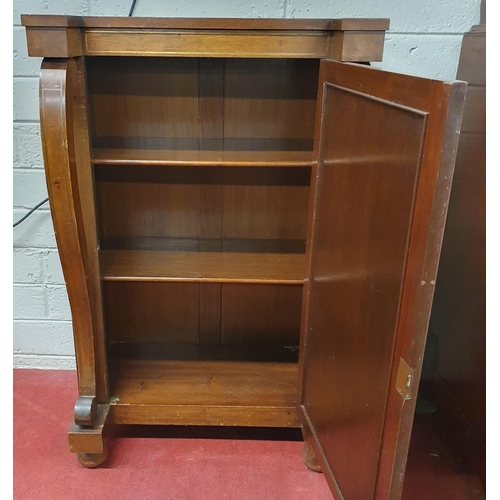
{"type": "Point", "coordinates": [366, 202]}
{"type": "Point", "coordinates": [374, 183]}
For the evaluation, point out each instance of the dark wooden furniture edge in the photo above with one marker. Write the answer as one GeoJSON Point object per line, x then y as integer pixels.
{"type": "Point", "coordinates": [410, 344]}
{"type": "Point", "coordinates": [458, 386]}
{"type": "Point", "coordinates": [354, 24]}
{"type": "Point", "coordinates": [358, 40]}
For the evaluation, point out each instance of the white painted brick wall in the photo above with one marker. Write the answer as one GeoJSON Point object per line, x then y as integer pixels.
{"type": "Point", "coordinates": [424, 39]}
{"type": "Point", "coordinates": [29, 302]}
{"type": "Point", "coordinates": [65, 7]}
{"type": "Point", "coordinates": [25, 99]}
{"type": "Point", "coordinates": [29, 187]}
{"type": "Point", "coordinates": [27, 146]}
{"type": "Point", "coordinates": [28, 266]}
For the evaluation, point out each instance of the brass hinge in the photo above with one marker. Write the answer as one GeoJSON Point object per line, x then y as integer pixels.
{"type": "Point", "coordinates": [404, 380]}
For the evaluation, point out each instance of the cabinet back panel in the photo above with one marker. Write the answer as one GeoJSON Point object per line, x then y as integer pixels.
{"type": "Point", "coordinates": [135, 210]}
{"type": "Point", "coordinates": [260, 314]}
{"type": "Point", "coordinates": [273, 100]}
{"type": "Point", "coordinates": [265, 212]}
{"type": "Point", "coordinates": [210, 314]}
{"type": "Point", "coordinates": [202, 202]}
{"type": "Point", "coordinates": [191, 104]}
{"type": "Point", "coordinates": [140, 312]}
{"type": "Point", "coordinates": [134, 99]}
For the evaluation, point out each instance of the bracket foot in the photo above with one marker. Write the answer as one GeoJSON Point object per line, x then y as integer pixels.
{"type": "Point", "coordinates": [91, 460]}
{"type": "Point", "coordinates": [91, 443]}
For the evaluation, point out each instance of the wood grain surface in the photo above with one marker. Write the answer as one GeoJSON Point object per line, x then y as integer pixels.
{"type": "Point", "coordinates": [370, 274]}
{"type": "Point", "coordinates": [204, 393]}
{"type": "Point", "coordinates": [223, 267]}
{"type": "Point", "coordinates": [194, 170]}
{"type": "Point", "coordinates": [204, 23]}
{"type": "Point", "coordinates": [278, 321]}
{"type": "Point", "coordinates": [66, 152]}
{"type": "Point", "coordinates": [201, 158]}
{"type": "Point", "coordinates": [66, 36]}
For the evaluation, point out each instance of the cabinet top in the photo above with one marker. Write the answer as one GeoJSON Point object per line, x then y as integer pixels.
{"type": "Point", "coordinates": [350, 24]}
{"type": "Point", "coordinates": [74, 36]}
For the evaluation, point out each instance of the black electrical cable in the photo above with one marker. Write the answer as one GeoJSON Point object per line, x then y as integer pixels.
{"type": "Point", "coordinates": [30, 212]}
{"type": "Point", "coordinates": [132, 8]}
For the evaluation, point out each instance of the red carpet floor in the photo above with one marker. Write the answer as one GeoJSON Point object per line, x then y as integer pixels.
{"type": "Point", "coordinates": [185, 463]}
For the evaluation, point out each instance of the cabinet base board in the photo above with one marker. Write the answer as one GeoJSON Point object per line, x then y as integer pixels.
{"type": "Point", "coordinates": [204, 415]}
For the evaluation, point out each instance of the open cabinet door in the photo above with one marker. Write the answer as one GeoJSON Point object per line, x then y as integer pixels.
{"type": "Point", "coordinates": [384, 156]}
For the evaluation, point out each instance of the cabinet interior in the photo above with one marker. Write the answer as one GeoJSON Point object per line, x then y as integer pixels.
{"type": "Point", "coordinates": [202, 173]}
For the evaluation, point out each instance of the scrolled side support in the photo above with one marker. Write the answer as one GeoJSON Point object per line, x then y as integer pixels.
{"type": "Point", "coordinates": [60, 89]}
{"type": "Point", "coordinates": [85, 411]}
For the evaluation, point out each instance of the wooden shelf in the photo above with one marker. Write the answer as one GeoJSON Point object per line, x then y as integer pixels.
{"type": "Point", "coordinates": [221, 267]}
{"type": "Point", "coordinates": [196, 158]}
{"type": "Point", "coordinates": [204, 393]}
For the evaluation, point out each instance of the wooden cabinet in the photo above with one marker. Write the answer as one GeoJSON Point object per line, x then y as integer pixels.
{"type": "Point", "coordinates": [249, 224]}
{"type": "Point", "coordinates": [458, 317]}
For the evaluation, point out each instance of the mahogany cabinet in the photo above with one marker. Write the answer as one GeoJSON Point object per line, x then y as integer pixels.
{"type": "Point", "coordinates": [249, 223]}
{"type": "Point", "coordinates": [458, 317]}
